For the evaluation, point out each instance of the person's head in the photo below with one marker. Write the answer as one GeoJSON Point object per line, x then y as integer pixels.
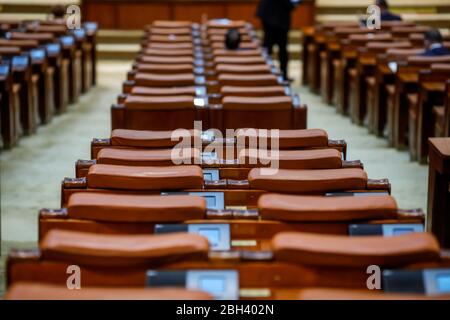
{"type": "Point", "coordinates": [432, 36]}
{"type": "Point", "coordinates": [232, 39]}
{"type": "Point", "coordinates": [58, 11]}
{"type": "Point", "coordinates": [382, 4]}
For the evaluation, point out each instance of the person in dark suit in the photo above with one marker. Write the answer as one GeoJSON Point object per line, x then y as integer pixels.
{"type": "Point", "coordinates": [385, 14]}
{"type": "Point", "coordinates": [433, 44]}
{"type": "Point", "coordinates": [275, 16]}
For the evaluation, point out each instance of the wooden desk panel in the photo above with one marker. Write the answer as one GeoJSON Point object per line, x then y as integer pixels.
{"type": "Point", "coordinates": [135, 14]}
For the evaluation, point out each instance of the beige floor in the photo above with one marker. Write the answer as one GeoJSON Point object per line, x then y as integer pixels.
{"type": "Point", "coordinates": [31, 174]}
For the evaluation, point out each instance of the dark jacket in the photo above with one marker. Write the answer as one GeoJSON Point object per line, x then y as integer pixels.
{"type": "Point", "coordinates": [435, 52]}
{"type": "Point", "coordinates": [276, 13]}
{"type": "Point", "coordinates": [388, 16]}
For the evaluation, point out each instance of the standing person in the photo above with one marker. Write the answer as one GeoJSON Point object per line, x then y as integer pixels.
{"type": "Point", "coordinates": [276, 20]}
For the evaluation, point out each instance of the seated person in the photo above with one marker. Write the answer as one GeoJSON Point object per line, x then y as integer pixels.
{"type": "Point", "coordinates": [386, 15]}
{"type": "Point", "coordinates": [433, 44]}
{"type": "Point", "coordinates": [232, 39]}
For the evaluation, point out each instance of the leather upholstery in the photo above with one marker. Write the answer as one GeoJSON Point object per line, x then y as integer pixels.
{"type": "Point", "coordinates": [122, 250]}
{"type": "Point", "coordinates": [38, 291]}
{"type": "Point", "coordinates": [234, 53]}
{"type": "Point", "coordinates": [166, 60]}
{"type": "Point", "coordinates": [135, 208]}
{"type": "Point", "coordinates": [168, 52]}
{"type": "Point", "coordinates": [171, 24]}
{"type": "Point", "coordinates": [146, 138]}
{"type": "Point", "coordinates": [239, 69]}
{"type": "Point", "coordinates": [165, 68]}
{"type": "Point", "coordinates": [158, 102]}
{"type": "Point", "coordinates": [175, 31]}
{"type": "Point", "coordinates": [358, 252]}
{"type": "Point", "coordinates": [159, 157]}
{"type": "Point", "coordinates": [230, 79]}
{"type": "Point", "coordinates": [104, 176]}
{"type": "Point", "coordinates": [240, 60]}
{"type": "Point", "coordinates": [306, 138]}
{"type": "Point", "coordinates": [326, 209]}
{"type": "Point", "coordinates": [166, 80]}
{"type": "Point", "coordinates": [296, 181]}
{"type": "Point", "coordinates": [261, 91]}
{"type": "Point", "coordinates": [293, 159]}
{"type": "Point", "coordinates": [174, 91]}
{"type": "Point", "coordinates": [257, 103]}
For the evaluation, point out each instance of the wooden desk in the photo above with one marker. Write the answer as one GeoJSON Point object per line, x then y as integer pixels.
{"type": "Point", "coordinates": [438, 215]}
{"type": "Point", "coordinates": [135, 14]}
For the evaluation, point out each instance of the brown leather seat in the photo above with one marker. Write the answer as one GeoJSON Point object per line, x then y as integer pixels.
{"type": "Point", "coordinates": [164, 80]}
{"type": "Point", "coordinates": [293, 159]}
{"type": "Point", "coordinates": [159, 157]}
{"type": "Point", "coordinates": [243, 45]}
{"type": "Point", "coordinates": [172, 52]}
{"type": "Point", "coordinates": [239, 69]}
{"type": "Point", "coordinates": [168, 31]}
{"type": "Point", "coordinates": [170, 38]}
{"type": "Point", "coordinates": [165, 68]}
{"type": "Point", "coordinates": [214, 24]}
{"type": "Point", "coordinates": [158, 102]}
{"type": "Point", "coordinates": [105, 176]}
{"type": "Point", "coordinates": [234, 53]}
{"type": "Point", "coordinates": [359, 252]}
{"type": "Point", "coordinates": [164, 46]}
{"type": "Point", "coordinates": [119, 250]}
{"type": "Point", "coordinates": [230, 79]}
{"type": "Point", "coordinates": [296, 181]}
{"type": "Point", "coordinates": [283, 207]}
{"type": "Point", "coordinates": [39, 291]}
{"type": "Point", "coordinates": [240, 60]}
{"type": "Point", "coordinates": [288, 138]}
{"type": "Point", "coordinates": [257, 103]}
{"type": "Point", "coordinates": [166, 60]}
{"type": "Point", "coordinates": [167, 91]}
{"type": "Point", "coordinates": [135, 208]}
{"type": "Point", "coordinates": [146, 139]}
{"type": "Point", "coordinates": [261, 91]}
{"type": "Point", "coordinates": [171, 24]}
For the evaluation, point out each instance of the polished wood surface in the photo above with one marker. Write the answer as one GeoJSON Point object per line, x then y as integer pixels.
{"type": "Point", "coordinates": [438, 217]}
{"type": "Point", "coordinates": [135, 14]}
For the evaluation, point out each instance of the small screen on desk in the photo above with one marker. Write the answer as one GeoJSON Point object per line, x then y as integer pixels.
{"type": "Point", "coordinates": [214, 285]}
{"type": "Point", "coordinates": [400, 231]}
{"type": "Point", "coordinates": [443, 282]}
{"type": "Point", "coordinates": [212, 234]}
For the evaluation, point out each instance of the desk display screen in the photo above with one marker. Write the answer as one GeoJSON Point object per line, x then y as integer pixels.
{"type": "Point", "coordinates": [214, 200]}
{"type": "Point", "coordinates": [212, 234]}
{"type": "Point", "coordinates": [443, 282]}
{"type": "Point", "coordinates": [20, 61]}
{"type": "Point", "coordinates": [4, 69]}
{"type": "Point", "coordinates": [38, 54]}
{"type": "Point", "coordinates": [400, 231]}
{"type": "Point", "coordinates": [214, 285]}
{"type": "Point", "coordinates": [211, 201]}
{"type": "Point", "coordinates": [67, 40]}
{"type": "Point", "coordinates": [79, 33]}
{"type": "Point", "coordinates": [53, 47]}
